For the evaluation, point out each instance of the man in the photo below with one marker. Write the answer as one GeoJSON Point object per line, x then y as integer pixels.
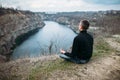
{"type": "Point", "coordinates": [82, 46]}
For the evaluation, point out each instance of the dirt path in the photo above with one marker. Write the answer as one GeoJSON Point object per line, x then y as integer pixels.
{"type": "Point", "coordinates": [105, 68]}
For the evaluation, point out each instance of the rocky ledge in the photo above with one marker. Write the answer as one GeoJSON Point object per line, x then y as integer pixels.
{"type": "Point", "coordinates": [14, 23]}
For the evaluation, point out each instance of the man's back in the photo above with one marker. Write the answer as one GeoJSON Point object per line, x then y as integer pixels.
{"type": "Point", "coordinates": [83, 46]}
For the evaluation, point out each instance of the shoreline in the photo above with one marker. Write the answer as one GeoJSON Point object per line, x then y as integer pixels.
{"type": "Point", "coordinates": [14, 24]}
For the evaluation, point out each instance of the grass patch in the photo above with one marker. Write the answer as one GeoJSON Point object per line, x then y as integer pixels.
{"type": "Point", "coordinates": [101, 47]}
{"type": "Point", "coordinates": [42, 72]}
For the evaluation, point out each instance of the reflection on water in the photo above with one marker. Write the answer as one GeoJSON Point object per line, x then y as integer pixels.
{"type": "Point", "coordinates": [47, 41]}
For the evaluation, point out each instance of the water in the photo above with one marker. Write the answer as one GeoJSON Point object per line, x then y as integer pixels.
{"type": "Point", "coordinates": [47, 41]}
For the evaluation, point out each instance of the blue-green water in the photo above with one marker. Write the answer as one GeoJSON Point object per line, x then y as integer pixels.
{"type": "Point", "coordinates": [49, 40]}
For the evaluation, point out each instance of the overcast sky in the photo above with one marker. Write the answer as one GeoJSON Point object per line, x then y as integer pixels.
{"type": "Point", "coordinates": [62, 5]}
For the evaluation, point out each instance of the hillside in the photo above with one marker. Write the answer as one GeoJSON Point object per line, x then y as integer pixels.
{"type": "Point", "coordinates": [108, 21]}
{"type": "Point", "coordinates": [104, 65]}
{"type": "Point", "coordinates": [15, 27]}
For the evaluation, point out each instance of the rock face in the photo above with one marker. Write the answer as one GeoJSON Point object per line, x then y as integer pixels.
{"type": "Point", "coordinates": [14, 23]}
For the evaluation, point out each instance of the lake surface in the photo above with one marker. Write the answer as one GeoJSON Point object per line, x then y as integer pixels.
{"type": "Point", "coordinates": [48, 40]}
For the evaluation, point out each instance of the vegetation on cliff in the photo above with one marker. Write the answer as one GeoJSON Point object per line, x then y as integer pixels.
{"type": "Point", "coordinates": [106, 54]}
{"type": "Point", "coordinates": [14, 23]}
{"type": "Point", "coordinates": [105, 60]}
{"type": "Point", "coordinates": [108, 21]}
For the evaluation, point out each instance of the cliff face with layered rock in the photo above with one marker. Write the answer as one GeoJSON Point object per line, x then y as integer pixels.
{"type": "Point", "coordinates": [14, 23]}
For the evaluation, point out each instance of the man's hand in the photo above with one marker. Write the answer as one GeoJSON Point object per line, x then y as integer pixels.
{"type": "Point", "coordinates": [62, 51]}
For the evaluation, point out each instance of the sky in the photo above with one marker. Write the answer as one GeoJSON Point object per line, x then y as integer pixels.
{"type": "Point", "coordinates": [62, 5]}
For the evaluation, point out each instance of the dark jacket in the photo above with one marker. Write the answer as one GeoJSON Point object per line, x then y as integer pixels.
{"type": "Point", "coordinates": [82, 46]}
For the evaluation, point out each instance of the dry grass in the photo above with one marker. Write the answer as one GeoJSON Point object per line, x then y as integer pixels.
{"type": "Point", "coordinates": [54, 68]}
{"type": "Point", "coordinates": [65, 70]}
{"type": "Point", "coordinates": [101, 47]}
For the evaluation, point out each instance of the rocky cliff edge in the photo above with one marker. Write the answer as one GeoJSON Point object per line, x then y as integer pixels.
{"type": "Point", "coordinates": [14, 23]}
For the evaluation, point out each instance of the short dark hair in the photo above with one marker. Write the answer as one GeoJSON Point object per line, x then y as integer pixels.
{"type": "Point", "coordinates": [85, 24]}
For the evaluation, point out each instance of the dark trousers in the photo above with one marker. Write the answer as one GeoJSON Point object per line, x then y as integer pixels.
{"type": "Point", "coordinates": [74, 60]}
